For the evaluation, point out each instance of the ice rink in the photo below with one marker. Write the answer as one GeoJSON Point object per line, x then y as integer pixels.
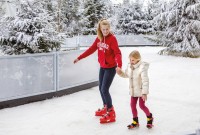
{"type": "Point", "coordinates": [174, 100]}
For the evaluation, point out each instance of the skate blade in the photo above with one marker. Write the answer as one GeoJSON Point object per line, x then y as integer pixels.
{"type": "Point", "coordinates": [107, 121]}
{"type": "Point", "coordinates": [99, 115]}
{"type": "Point", "coordinates": [132, 127]}
{"type": "Point", "coordinates": [149, 126]}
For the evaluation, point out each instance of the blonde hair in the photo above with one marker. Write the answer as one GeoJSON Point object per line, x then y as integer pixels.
{"type": "Point", "coordinates": [100, 23]}
{"type": "Point", "coordinates": [135, 54]}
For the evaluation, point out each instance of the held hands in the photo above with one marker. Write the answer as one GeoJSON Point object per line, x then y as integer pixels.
{"type": "Point", "coordinates": [76, 60]}
{"type": "Point", "coordinates": [118, 70]}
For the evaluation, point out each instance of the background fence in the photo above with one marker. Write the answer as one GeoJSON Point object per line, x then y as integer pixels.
{"type": "Point", "coordinates": [123, 40]}
{"type": "Point", "coordinates": [30, 75]}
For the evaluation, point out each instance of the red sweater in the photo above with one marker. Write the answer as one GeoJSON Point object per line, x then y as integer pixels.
{"type": "Point", "coordinates": [109, 54]}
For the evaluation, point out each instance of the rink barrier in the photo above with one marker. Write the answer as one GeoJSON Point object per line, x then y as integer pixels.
{"type": "Point", "coordinates": [123, 41]}
{"type": "Point", "coordinates": [35, 77]}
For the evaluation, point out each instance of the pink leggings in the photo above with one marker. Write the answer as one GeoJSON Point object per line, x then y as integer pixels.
{"type": "Point", "coordinates": [141, 104]}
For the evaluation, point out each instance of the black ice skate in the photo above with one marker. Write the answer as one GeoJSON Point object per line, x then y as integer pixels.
{"type": "Point", "coordinates": [135, 124]}
{"type": "Point", "coordinates": [149, 121]}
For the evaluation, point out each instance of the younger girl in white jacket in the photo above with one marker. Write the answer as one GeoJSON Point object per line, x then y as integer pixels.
{"type": "Point", "coordinates": [137, 72]}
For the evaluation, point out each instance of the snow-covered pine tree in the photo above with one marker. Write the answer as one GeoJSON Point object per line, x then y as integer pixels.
{"type": "Point", "coordinates": [114, 15]}
{"type": "Point", "coordinates": [104, 9]}
{"type": "Point", "coordinates": [131, 19]}
{"type": "Point", "coordinates": [153, 8]}
{"type": "Point", "coordinates": [124, 20]}
{"type": "Point", "coordinates": [142, 24]}
{"type": "Point", "coordinates": [69, 17]}
{"type": "Point", "coordinates": [89, 17]}
{"type": "Point", "coordinates": [94, 10]}
{"type": "Point", "coordinates": [182, 25]}
{"type": "Point", "coordinates": [32, 31]}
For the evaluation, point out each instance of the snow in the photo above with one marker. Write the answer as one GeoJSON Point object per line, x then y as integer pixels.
{"type": "Point", "coordinates": [1, 53]}
{"type": "Point", "coordinates": [173, 100]}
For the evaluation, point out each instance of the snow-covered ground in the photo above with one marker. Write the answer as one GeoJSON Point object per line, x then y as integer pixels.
{"type": "Point", "coordinates": [174, 100]}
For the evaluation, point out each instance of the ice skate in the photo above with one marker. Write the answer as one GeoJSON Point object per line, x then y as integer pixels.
{"type": "Point", "coordinates": [101, 112]}
{"type": "Point", "coordinates": [109, 116]}
{"type": "Point", "coordinates": [134, 124]}
{"type": "Point", "coordinates": [149, 121]}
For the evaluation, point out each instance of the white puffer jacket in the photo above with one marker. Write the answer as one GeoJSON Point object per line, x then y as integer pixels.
{"type": "Point", "coordinates": [138, 78]}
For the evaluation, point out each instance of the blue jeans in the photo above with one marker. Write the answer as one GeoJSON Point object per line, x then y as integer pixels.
{"type": "Point", "coordinates": [106, 76]}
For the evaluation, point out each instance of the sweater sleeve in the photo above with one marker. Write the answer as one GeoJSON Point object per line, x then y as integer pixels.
{"type": "Point", "coordinates": [117, 52]}
{"type": "Point", "coordinates": [90, 50]}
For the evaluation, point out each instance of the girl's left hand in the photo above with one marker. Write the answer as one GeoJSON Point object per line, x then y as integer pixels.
{"type": "Point", "coordinates": [144, 97]}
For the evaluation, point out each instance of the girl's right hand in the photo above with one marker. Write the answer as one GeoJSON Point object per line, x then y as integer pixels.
{"type": "Point", "coordinates": [118, 70]}
{"type": "Point", "coordinates": [76, 60]}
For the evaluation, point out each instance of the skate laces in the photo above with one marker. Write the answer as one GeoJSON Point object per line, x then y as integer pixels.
{"type": "Point", "coordinates": [106, 115]}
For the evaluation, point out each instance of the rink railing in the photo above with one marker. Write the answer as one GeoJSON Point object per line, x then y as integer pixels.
{"type": "Point", "coordinates": [46, 75]}
{"type": "Point", "coordinates": [123, 40]}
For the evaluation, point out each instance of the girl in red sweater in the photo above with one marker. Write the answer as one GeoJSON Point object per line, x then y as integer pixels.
{"type": "Point", "coordinates": [109, 58]}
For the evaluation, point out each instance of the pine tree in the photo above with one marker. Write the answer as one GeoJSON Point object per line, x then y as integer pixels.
{"type": "Point", "coordinates": [154, 8]}
{"type": "Point", "coordinates": [70, 17]}
{"type": "Point", "coordinates": [181, 23]}
{"type": "Point", "coordinates": [89, 17]}
{"type": "Point", "coordinates": [32, 31]}
{"type": "Point", "coordinates": [115, 10]}
{"type": "Point", "coordinates": [131, 20]}
{"type": "Point", "coordinates": [94, 10]}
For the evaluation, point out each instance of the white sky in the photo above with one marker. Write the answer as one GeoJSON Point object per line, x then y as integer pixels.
{"type": "Point", "coordinates": [173, 100]}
